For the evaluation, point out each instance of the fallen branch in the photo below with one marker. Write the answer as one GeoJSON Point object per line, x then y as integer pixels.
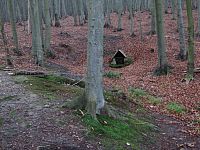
{"type": "Point", "coordinates": [25, 72]}
{"type": "Point", "coordinates": [78, 82]}
{"type": "Point", "coordinates": [41, 74]}
{"type": "Point", "coordinates": [196, 70]}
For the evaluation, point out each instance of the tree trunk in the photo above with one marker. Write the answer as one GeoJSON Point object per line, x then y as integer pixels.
{"type": "Point", "coordinates": [183, 53]}
{"type": "Point", "coordinates": [56, 7]}
{"type": "Point", "coordinates": [5, 42]}
{"type": "Point", "coordinates": [47, 28]}
{"type": "Point", "coordinates": [119, 11]}
{"type": "Point", "coordinates": [190, 67]}
{"type": "Point", "coordinates": [198, 7]}
{"type": "Point", "coordinates": [162, 58]}
{"type": "Point", "coordinates": [36, 33]}
{"type": "Point", "coordinates": [173, 7]}
{"type": "Point", "coordinates": [153, 18]}
{"type": "Point", "coordinates": [29, 18]}
{"type": "Point", "coordinates": [13, 24]}
{"type": "Point", "coordinates": [94, 85]}
{"type": "Point", "coordinates": [131, 13]}
{"type": "Point", "coordinates": [166, 6]}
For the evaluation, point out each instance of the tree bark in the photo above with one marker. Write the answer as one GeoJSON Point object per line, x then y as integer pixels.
{"type": "Point", "coordinates": [13, 24]}
{"type": "Point", "coordinates": [183, 52]}
{"type": "Point", "coordinates": [5, 42]}
{"type": "Point", "coordinates": [162, 58]}
{"type": "Point", "coordinates": [94, 85]}
{"type": "Point", "coordinates": [47, 28]}
{"type": "Point", "coordinates": [36, 33]}
{"type": "Point", "coordinates": [190, 66]}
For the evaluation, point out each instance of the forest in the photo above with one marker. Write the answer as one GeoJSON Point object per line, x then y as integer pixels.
{"type": "Point", "coordinates": [99, 74]}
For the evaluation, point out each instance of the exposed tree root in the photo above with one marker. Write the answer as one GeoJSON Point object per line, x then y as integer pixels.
{"type": "Point", "coordinates": [76, 103]}
{"type": "Point", "coordinates": [181, 57]}
{"type": "Point", "coordinates": [114, 112]}
{"type": "Point", "coordinates": [80, 103]}
{"type": "Point", "coordinates": [162, 70]}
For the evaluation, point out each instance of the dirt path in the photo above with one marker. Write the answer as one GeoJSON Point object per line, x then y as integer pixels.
{"type": "Point", "coordinates": [28, 121]}
{"type": "Point", "coordinates": [173, 135]}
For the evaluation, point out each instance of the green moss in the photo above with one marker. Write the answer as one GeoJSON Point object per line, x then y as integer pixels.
{"type": "Point", "coordinates": [117, 98]}
{"type": "Point", "coordinates": [51, 86]}
{"type": "Point", "coordinates": [20, 79]}
{"type": "Point", "coordinates": [139, 95]}
{"type": "Point", "coordinates": [64, 80]}
{"type": "Point", "coordinates": [112, 74]}
{"type": "Point", "coordinates": [198, 106]}
{"type": "Point", "coordinates": [140, 110]}
{"type": "Point", "coordinates": [7, 98]}
{"type": "Point", "coordinates": [154, 100]}
{"type": "Point", "coordinates": [176, 108]}
{"type": "Point", "coordinates": [127, 62]}
{"type": "Point", "coordinates": [197, 121]}
{"type": "Point", "coordinates": [12, 113]}
{"type": "Point", "coordinates": [117, 133]}
{"type": "Point", "coordinates": [1, 121]}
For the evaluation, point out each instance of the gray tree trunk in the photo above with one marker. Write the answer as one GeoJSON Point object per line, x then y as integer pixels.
{"type": "Point", "coordinates": [94, 85]}
{"type": "Point", "coordinates": [190, 70]}
{"type": "Point", "coordinates": [162, 58]}
{"type": "Point", "coordinates": [173, 8]}
{"type": "Point", "coordinates": [5, 42]}
{"type": "Point", "coordinates": [198, 7]}
{"type": "Point", "coordinates": [36, 33]}
{"type": "Point", "coordinates": [47, 27]}
{"type": "Point", "coordinates": [166, 6]}
{"type": "Point", "coordinates": [119, 11]}
{"type": "Point", "coordinates": [131, 13]}
{"type": "Point", "coordinates": [13, 24]}
{"type": "Point", "coordinates": [56, 7]}
{"type": "Point", "coordinates": [183, 53]}
{"type": "Point", "coordinates": [153, 18]}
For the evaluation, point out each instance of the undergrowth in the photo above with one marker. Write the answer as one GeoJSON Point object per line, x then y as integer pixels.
{"type": "Point", "coordinates": [140, 95]}
{"type": "Point", "coordinates": [119, 134]}
{"type": "Point", "coordinates": [1, 121]}
{"type": "Point", "coordinates": [51, 86]}
{"type": "Point", "coordinates": [176, 108]}
{"type": "Point", "coordinates": [7, 98]}
{"type": "Point", "coordinates": [112, 74]}
{"type": "Point", "coordinates": [115, 134]}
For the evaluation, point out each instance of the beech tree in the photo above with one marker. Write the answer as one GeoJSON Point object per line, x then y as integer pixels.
{"type": "Point", "coordinates": [94, 86]}
{"type": "Point", "coordinates": [47, 28]}
{"type": "Point", "coordinates": [190, 66]}
{"type": "Point", "coordinates": [153, 18]}
{"type": "Point", "coordinates": [163, 67]}
{"type": "Point", "coordinates": [13, 25]}
{"type": "Point", "coordinates": [131, 14]}
{"type": "Point", "coordinates": [36, 33]}
{"type": "Point", "coordinates": [198, 7]}
{"type": "Point", "coordinates": [119, 6]}
{"type": "Point", "coordinates": [183, 52]}
{"type": "Point", "coordinates": [5, 41]}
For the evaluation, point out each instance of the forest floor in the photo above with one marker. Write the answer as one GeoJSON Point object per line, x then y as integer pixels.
{"type": "Point", "coordinates": [178, 99]}
{"type": "Point", "coordinates": [35, 119]}
{"type": "Point", "coordinates": [29, 121]}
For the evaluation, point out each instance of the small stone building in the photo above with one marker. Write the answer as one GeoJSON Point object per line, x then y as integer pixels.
{"type": "Point", "coordinates": [119, 58]}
